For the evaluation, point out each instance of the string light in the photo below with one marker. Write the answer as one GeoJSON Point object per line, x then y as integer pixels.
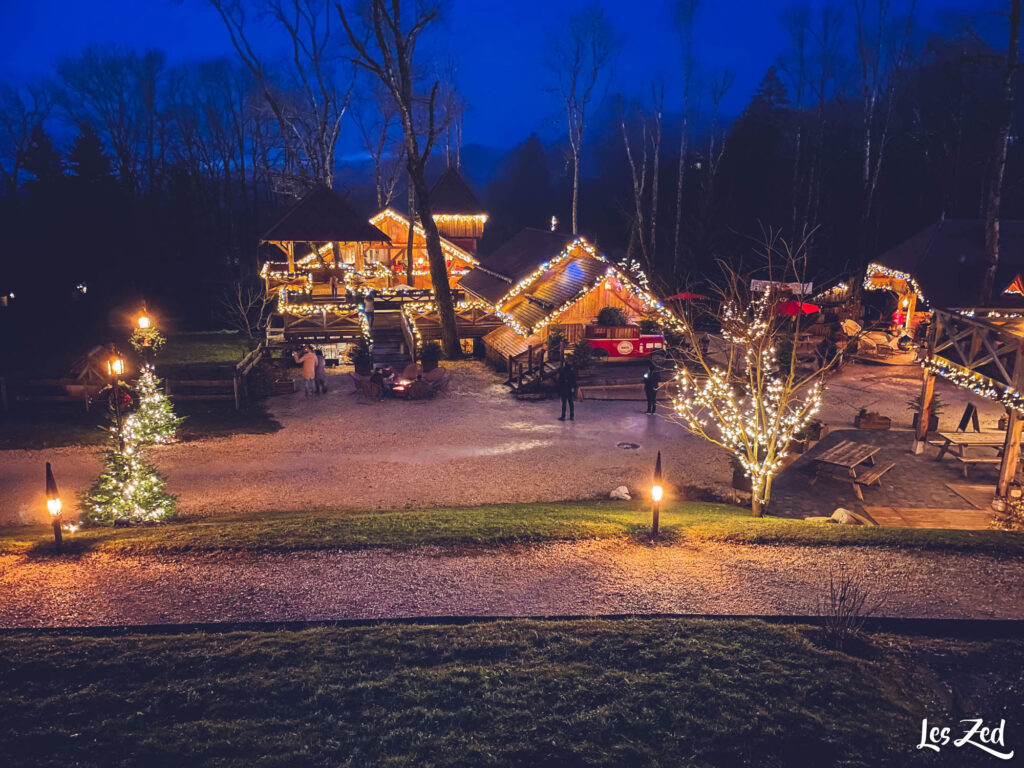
{"type": "Point", "coordinates": [876, 270]}
{"type": "Point", "coordinates": [753, 410]}
{"type": "Point", "coordinates": [448, 247]}
{"type": "Point", "coordinates": [980, 385]}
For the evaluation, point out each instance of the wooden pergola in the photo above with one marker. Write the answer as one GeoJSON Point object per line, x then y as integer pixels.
{"type": "Point", "coordinates": [981, 350]}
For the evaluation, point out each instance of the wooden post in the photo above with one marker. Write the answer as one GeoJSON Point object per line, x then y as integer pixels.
{"type": "Point", "coordinates": [1011, 452]}
{"type": "Point", "coordinates": [924, 412]}
{"type": "Point", "coordinates": [234, 381]}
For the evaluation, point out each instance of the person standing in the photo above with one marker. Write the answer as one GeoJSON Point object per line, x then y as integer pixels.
{"type": "Point", "coordinates": [652, 380]}
{"type": "Point", "coordinates": [565, 383]}
{"type": "Point", "coordinates": [308, 363]}
{"type": "Point", "coordinates": [321, 372]}
{"type": "Point", "coordinates": [368, 307]}
{"type": "Point", "coordinates": [334, 286]}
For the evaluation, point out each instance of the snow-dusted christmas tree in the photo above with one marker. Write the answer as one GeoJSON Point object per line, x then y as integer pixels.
{"type": "Point", "coordinates": [153, 422]}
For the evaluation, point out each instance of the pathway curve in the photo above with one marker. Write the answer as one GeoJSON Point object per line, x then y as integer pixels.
{"type": "Point", "coordinates": [594, 577]}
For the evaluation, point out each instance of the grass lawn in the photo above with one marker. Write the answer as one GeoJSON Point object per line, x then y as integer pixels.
{"type": "Point", "coordinates": [493, 525]}
{"type": "Point", "coordinates": [632, 692]}
{"type": "Point", "coordinates": [54, 427]}
{"type": "Point", "coordinates": [204, 348]}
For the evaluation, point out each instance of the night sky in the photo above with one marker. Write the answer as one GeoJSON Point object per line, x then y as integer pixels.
{"type": "Point", "coordinates": [499, 47]}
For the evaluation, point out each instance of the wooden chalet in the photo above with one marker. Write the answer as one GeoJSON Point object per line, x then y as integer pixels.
{"type": "Point", "coordinates": [539, 279]}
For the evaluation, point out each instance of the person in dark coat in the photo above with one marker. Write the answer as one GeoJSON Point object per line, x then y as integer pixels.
{"type": "Point", "coordinates": [565, 383]}
{"type": "Point", "coordinates": [652, 380]}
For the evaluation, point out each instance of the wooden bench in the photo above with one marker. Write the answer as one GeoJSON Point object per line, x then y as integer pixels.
{"type": "Point", "coordinates": [966, 461]}
{"type": "Point", "coordinates": [870, 477]}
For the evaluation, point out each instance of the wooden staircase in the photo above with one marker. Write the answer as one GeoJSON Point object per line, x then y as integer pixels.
{"type": "Point", "coordinates": [389, 342]}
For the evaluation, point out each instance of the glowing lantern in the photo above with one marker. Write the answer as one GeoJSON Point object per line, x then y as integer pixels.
{"type": "Point", "coordinates": [657, 491]}
{"type": "Point", "coordinates": [144, 322]}
{"type": "Point", "coordinates": [54, 506]}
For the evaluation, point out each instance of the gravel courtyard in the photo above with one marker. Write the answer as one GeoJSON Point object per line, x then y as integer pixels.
{"type": "Point", "coordinates": [475, 445]}
{"type": "Point", "coordinates": [585, 578]}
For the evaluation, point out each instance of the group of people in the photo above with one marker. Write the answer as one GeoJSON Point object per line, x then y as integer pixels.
{"type": "Point", "coordinates": [314, 370]}
{"type": "Point", "coordinates": [567, 388]}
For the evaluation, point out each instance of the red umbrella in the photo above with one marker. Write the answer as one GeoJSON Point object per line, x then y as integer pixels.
{"type": "Point", "coordinates": [686, 296]}
{"type": "Point", "coordinates": [794, 307]}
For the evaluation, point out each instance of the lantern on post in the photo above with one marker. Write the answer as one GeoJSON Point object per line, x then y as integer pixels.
{"type": "Point", "coordinates": [54, 507]}
{"type": "Point", "coordinates": [656, 494]}
{"type": "Point", "coordinates": [115, 369]}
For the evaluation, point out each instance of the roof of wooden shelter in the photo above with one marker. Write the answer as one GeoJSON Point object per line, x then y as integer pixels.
{"type": "Point", "coordinates": [948, 261]}
{"type": "Point", "coordinates": [452, 195]}
{"type": "Point", "coordinates": [515, 260]}
{"type": "Point", "coordinates": [323, 216]}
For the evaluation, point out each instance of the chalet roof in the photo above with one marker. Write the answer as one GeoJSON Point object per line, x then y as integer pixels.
{"type": "Point", "coordinates": [451, 194]}
{"type": "Point", "coordinates": [948, 260]}
{"type": "Point", "coordinates": [555, 288]}
{"type": "Point", "coordinates": [513, 261]}
{"type": "Point", "coordinates": [323, 216]}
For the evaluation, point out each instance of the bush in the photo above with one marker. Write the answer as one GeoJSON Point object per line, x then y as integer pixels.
{"type": "Point", "coordinates": [612, 316]}
{"type": "Point", "coordinates": [937, 405]}
{"type": "Point", "coordinates": [358, 353]}
{"type": "Point", "coordinates": [430, 355]}
{"type": "Point", "coordinates": [556, 337]}
{"type": "Point", "coordinates": [649, 327]}
{"type": "Point", "coordinates": [582, 356]}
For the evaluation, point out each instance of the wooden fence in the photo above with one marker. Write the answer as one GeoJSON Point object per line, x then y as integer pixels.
{"type": "Point", "coordinates": [46, 391]}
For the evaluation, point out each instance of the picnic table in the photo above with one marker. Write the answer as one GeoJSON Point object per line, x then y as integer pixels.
{"type": "Point", "coordinates": [962, 445]}
{"type": "Point", "coordinates": [848, 455]}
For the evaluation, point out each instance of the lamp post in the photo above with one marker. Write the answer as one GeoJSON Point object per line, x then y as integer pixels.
{"type": "Point", "coordinates": [54, 507]}
{"type": "Point", "coordinates": [115, 369]}
{"type": "Point", "coordinates": [656, 493]}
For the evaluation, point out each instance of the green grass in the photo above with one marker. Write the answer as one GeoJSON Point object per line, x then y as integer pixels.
{"type": "Point", "coordinates": [55, 427]}
{"type": "Point", "coordinates": [492, 526]}
{"type": "Point", "coordinates": [204, 348]}
{"type": "Point", "coordinates": [524, 693]}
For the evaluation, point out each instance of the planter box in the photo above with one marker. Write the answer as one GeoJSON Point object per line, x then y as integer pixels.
{"type": "Point", "coordinates": [872, 421]}
{"type": "Point", "coordinates": [284, 387]}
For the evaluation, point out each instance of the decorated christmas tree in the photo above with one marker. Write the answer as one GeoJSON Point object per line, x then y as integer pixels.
{"type": "Point", "coordinates": [129, 489]}
{"type": "Point", "coordinates": [153, 422]}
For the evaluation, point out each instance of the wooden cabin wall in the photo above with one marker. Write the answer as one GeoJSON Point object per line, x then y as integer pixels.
{"type": "Point", "coordinates": [585, 310]}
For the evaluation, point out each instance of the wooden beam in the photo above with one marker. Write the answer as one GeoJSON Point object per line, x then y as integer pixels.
{"type": "Point", "coordinates": [924, 411]}
{"type": "Point", "coordinates": [1011, 452]}
{"type": "Point", "coordinates": [291, 257]}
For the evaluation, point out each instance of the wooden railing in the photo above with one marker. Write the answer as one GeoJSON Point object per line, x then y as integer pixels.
{"type": "Point", "coordinates": [526, 363]}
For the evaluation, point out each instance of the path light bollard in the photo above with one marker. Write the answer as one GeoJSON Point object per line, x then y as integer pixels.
{"type": "Point", "coordinates": [656, 493]}
{"type": "Point", "coordinates": [54, 507]}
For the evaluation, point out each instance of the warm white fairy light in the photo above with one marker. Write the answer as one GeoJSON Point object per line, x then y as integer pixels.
{"type": "Point", "coordinates": [876, 270]}
{"type": "Point", "coordinates": [750, 407]}
{"type": "Point", "coordinates": [447, 247]}
{"type": "Point", "coordinates": [980, 385]}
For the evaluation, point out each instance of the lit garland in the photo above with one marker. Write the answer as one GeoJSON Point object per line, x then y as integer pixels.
{"type": "Point", "coordinates": [551, 263]}
{"type": "Point", "coordinates": [415, 309]}
{"type": "Point", "coordinates": [460, 218]}
{"type": "Point", "coordinates": [448, 247]}
{"type": "Point", "coordinates": [836, 292]}
{"type": "Point", "coordinates": [879, 270]}
{"type": "Point", "coordinates": [980, 385]}
{"type": "Point", "coordinates": [753, 411]}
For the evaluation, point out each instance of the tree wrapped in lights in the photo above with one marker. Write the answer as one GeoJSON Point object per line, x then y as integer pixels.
{"type": "Point", "coordinates": [129, 488]}
{"type": "Point", "coordinates": [154, 421]}
{"type": "Point", "coordinates": [739, 396]}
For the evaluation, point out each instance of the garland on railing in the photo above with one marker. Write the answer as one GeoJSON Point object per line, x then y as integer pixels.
{"type": "Point", "coordinates": [977, 383]}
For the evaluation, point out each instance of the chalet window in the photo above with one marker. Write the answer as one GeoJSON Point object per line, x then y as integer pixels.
{"type": "Point", "coordinates": [348, 255]}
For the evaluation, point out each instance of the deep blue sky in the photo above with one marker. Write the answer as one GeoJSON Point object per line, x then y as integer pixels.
{"type": "Point", "coordinates": [499, 46]}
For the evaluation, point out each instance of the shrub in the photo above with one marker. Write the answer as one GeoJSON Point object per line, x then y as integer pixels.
{"type": "Point", "coordinates": [844, 608]}
{"type": "Point", "coordinates": [649, 327]}
{"type": "Point", "coordinates": [612, 316]}
{"type": "Point", "coordinates": [430, 355]}
{"type": "Point", "coordinates": [582, 356]}
{"type": "Point", "coordinates": [358, 353]}
{"type": "Point", "coordinates": [914, 404]}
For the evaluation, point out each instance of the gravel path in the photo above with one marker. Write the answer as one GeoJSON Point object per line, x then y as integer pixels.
{"type": "Point", "coordinates": [477, 445]}
{"type": "Point", "coordinates": [552, 579]}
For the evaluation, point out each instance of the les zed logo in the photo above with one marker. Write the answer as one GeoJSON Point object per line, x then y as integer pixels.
{"type": "Point", "coordinates": [976, 735]}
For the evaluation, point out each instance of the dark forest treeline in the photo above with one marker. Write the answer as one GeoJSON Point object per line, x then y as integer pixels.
{"type": "Point", "coordinates": [166, 176]}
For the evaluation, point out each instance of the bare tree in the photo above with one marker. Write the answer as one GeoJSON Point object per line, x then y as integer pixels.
{"type": "Point", "coordinates": [735, 392]}
{"type": "Point", "coordinates": [384, 40]}
{"type": "Point", "coordinates": [310, 94]}
{"type": "Point", "coordinates": [658, 104]}
{"type": "Point", "coordinates": [997, 166]}
{"type": "Point", "coordinates": [377, 123]}
{"type": "Point", "coordinates": [685, 12]}
{"type": "Point", "coordinates": [883, 43]}
{"type": "Point", "coordinates": [247, 307]}
{"type": "Point", "coordinates": [21, 111]}
{"type": "Point", "coordinates": [580, 59]}
{"type": "Point", "coordinates": [638, 177]}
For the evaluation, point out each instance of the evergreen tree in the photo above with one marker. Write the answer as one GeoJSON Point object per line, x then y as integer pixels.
{"type": "Point", "coordinates": [87, 159]}
{"type": "Point", "coordinates": [41, 159]}
{"type": "Point", "coordinates": [154, 421]}
{"type": "Point", "coordinates": [129, 488]}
